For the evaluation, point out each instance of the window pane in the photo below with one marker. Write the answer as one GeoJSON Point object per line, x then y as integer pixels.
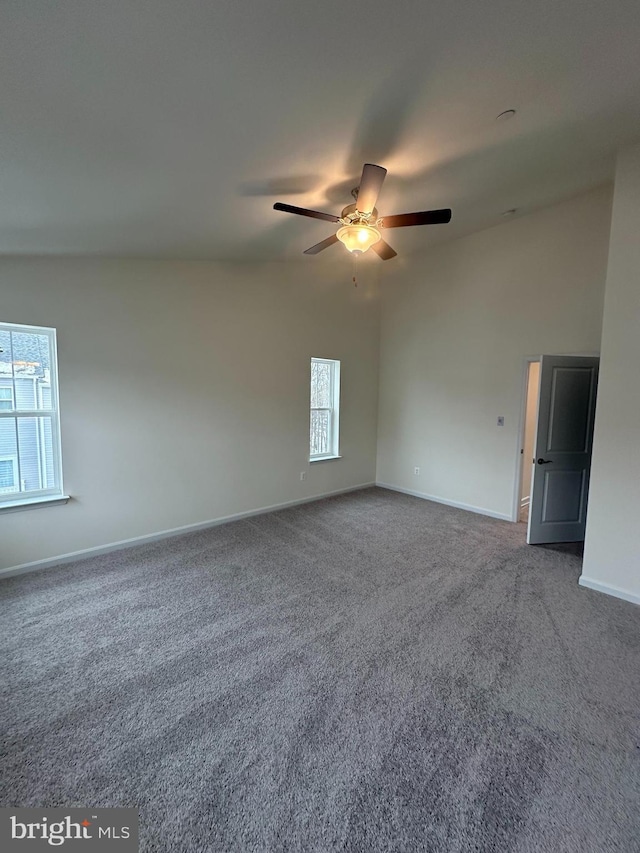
{"type": "Point", "coordinates": [25, 367]}
{"type": "Point", "coordinates": [320, 431]}
{"type": "Point", "coordinates": [321, 385]}
{"type": "Point", "coordinates": [6, 396]}
{"type": "Point", "coordinates": [8, 475]}
{"type": "Point", "coordinates": [26, 444]}
{"type": "Point", "coordinates": [9, 455]}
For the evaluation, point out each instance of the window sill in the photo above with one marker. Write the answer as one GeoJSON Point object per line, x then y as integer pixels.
{"type": "Point", "coordinates": [323, 459]}
{"type": "Point", "coordinates": [34, 503]}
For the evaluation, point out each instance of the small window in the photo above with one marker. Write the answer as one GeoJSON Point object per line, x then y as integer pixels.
{"type": "Point", "coordinates": [8, 474]}
{"type": "Point", "coordinates": [30, 467]}
{"type": "Point", "coordinates": [6, 398]}
{"type": "Point", "coordinates": [325, 409]}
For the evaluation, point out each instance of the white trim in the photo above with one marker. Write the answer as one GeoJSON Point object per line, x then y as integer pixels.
{"type": "Point", "coordinates": [517, 484]}
{"type": "Point", "coordinates": [607, 589]}
{"type": "Point", "coordinates": [33, 503]}
{"type": "Point", "coordinates": [28, 413]}
{"type": "Point", "coordinates": [22, 327]}
{"type": "Point", "coordinates": [503, 516]}
{"type": "Point", "coordinates": [74, 556]}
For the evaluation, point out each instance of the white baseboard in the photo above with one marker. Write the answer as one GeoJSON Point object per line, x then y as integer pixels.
{"type": "Point", "coordinates": [477, 509]}
{"type": "Point", "coordinates": [615, 591]}
{"type": "Point", "coordinates": [74, 556]}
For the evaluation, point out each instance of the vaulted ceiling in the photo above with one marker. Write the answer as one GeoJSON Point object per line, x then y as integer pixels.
{"type": "Point", "coordinates": [168, 128]}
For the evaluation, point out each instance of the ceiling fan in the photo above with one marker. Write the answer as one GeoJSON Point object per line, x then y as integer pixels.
{"type": "Point", "coordinates": [360, 225]}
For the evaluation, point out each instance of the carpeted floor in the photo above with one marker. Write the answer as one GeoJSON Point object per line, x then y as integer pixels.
{"type": "Point", "coordinates": [371, 672]}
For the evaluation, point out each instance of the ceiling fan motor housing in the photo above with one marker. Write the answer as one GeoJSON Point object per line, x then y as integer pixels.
{"type": "Point", "coordinates": [351, 214]}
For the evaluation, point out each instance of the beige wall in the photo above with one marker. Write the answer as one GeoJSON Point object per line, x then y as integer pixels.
{"type": "Point", "coordinates": [146, 348]}
{"type": "Point", "coordinates": [456, 325]}
{"type": "Point", "coordinates": [612, 545]}
{"type": "Point", "coordinates": [531, 419]}
{"type": "Point", "coordinates": [184, 391]}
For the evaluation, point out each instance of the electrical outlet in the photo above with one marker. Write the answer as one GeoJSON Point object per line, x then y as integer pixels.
{"type": "Point", "coordinates": [303, 475]}
{"type": "Point", "coordinates": [416, 471]}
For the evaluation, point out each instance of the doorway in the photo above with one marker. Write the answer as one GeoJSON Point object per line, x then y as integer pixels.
{"type": "Point", "coordinates": [555, 445]}
{"type": "Point", "coordinates": [528, 438]}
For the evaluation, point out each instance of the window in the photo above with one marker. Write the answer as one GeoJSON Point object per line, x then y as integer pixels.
{"type": "Point", "coordinates": [6, 398]}
{"type": "Point", "coordinates": [30, 469]}
{"type": "Point", "coordinates": [8, 474]}
{"type": "Point", "coordinates": [325, 409]}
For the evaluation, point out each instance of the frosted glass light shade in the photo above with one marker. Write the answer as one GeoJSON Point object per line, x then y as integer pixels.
{"type": "Point", "coordinates": [358, 237]}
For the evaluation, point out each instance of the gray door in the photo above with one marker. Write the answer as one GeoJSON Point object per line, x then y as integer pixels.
{"type": "Point", "coordinates": [562, 456]}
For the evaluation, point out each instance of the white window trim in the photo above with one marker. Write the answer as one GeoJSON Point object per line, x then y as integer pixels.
{"type": "Point", "coordinates": [334, 410]}
{"type": "Point", "coordinates": [33, 503]}
{"type": "Point", "coordinates": [40, 497]}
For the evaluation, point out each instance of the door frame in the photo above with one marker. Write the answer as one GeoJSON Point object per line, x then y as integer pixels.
{"type": "Point", "coordinates": [524, 378]}
{"type": "Point", "coordinates": [524, 381]}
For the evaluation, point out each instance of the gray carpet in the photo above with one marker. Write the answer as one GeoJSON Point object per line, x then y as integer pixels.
{"type": "Point", "coordinates": [371, 672]}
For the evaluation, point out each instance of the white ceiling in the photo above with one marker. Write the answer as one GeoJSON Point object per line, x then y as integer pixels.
{"type": "Point", "coordinates": [170, 127]}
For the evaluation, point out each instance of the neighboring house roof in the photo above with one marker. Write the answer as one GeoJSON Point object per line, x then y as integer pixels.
{"type": "Point", "coordinates": [22, 354]}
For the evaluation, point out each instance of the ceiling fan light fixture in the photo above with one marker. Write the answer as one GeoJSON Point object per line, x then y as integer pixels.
{"type": "Point", "coordinates": [358, 237]}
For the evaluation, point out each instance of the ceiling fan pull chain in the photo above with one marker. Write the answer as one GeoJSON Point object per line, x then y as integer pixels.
{"type": "Point", "coordinates": [355, 270]}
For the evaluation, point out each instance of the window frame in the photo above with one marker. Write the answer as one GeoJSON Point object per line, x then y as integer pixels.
{"type": "Point", "coordinates": [55, 493]}
{"type": "Point", "coordinates": [333, 410]}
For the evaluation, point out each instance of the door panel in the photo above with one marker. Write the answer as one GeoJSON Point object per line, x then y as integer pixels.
{"type": "Point", "coordinates": [563, 496]}
{"type": "Point", "coordinates": [569, 415]}
{"type": "Point", "coordinates": [562, 456]}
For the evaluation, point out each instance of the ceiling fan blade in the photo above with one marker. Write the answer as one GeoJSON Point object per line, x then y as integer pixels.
{"type": "Point", "coordinates": [302, 211]}
{"type": "Point", "coordinates": [423, 217]}
{"type": "Point", "coordinates": [370, 185]}
{"type": "Point", "coordinates": [320, 246]}
{"type": "Point", "coordinates": [384, 250]}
